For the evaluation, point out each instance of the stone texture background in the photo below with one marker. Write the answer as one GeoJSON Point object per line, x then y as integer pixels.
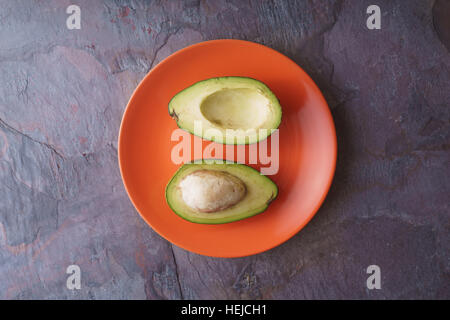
{"type": "Point", "coordinates": [62, 202]}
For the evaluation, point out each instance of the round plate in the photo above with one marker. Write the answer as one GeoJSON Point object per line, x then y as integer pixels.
{"type": "Point", "coordinates": [307, 147]}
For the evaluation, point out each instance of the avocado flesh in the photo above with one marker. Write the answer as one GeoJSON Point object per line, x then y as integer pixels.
{"type": "Point", "coordinates": [241, 105]}
{"type": "Point", "coordinates": [260, 191]}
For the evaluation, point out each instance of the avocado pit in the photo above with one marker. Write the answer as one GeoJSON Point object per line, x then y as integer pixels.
{"type": "Point", "coordinates": [211, 190]}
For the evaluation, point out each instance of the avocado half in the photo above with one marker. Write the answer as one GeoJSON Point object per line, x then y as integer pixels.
{"type": "Point", "coordinates": [259, 191]}
{"type": "Point", "coordinates": [230, 110]}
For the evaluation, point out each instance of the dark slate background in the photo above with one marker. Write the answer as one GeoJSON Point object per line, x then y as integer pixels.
{"type": "Point", "coordinates": [62, 202]}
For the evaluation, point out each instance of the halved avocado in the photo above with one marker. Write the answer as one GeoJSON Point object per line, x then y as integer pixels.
{"type": "Point", "coordinates": [218, 191]}
{"type": "Point", "coordinates": [230, 110]}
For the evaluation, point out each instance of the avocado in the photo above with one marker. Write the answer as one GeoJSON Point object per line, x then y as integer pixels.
{"type": "Point", "coordinates": [217, 191]}
{"type": "Point", "coordinates": [230, 110]}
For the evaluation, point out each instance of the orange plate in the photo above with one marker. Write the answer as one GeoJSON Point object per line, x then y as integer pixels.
{"type": "Point", "coordinates": [307, 148]}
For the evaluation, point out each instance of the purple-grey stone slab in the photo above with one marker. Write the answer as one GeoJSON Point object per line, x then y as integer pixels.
{"type": "Point", "coordinates": [62, 201]}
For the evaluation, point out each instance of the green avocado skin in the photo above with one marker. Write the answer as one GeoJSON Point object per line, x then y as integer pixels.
{"type": "Point", "coordinates": [241, 210]}
{"type": "Point", "coordinates": [173, 110]}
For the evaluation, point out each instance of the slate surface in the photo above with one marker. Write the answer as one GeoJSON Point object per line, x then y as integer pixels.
{"type": "Point", "coordinates": [62, 201]}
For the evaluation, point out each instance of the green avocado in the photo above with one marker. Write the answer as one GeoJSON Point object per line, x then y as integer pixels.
{"type": "Point", "coordinates": [218, 191]}
{"type": "Point", "coordinates": [229, 110]}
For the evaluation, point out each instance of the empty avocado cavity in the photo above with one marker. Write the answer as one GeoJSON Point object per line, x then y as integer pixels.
{"type": "Point", "coordinates": [236, 107]}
